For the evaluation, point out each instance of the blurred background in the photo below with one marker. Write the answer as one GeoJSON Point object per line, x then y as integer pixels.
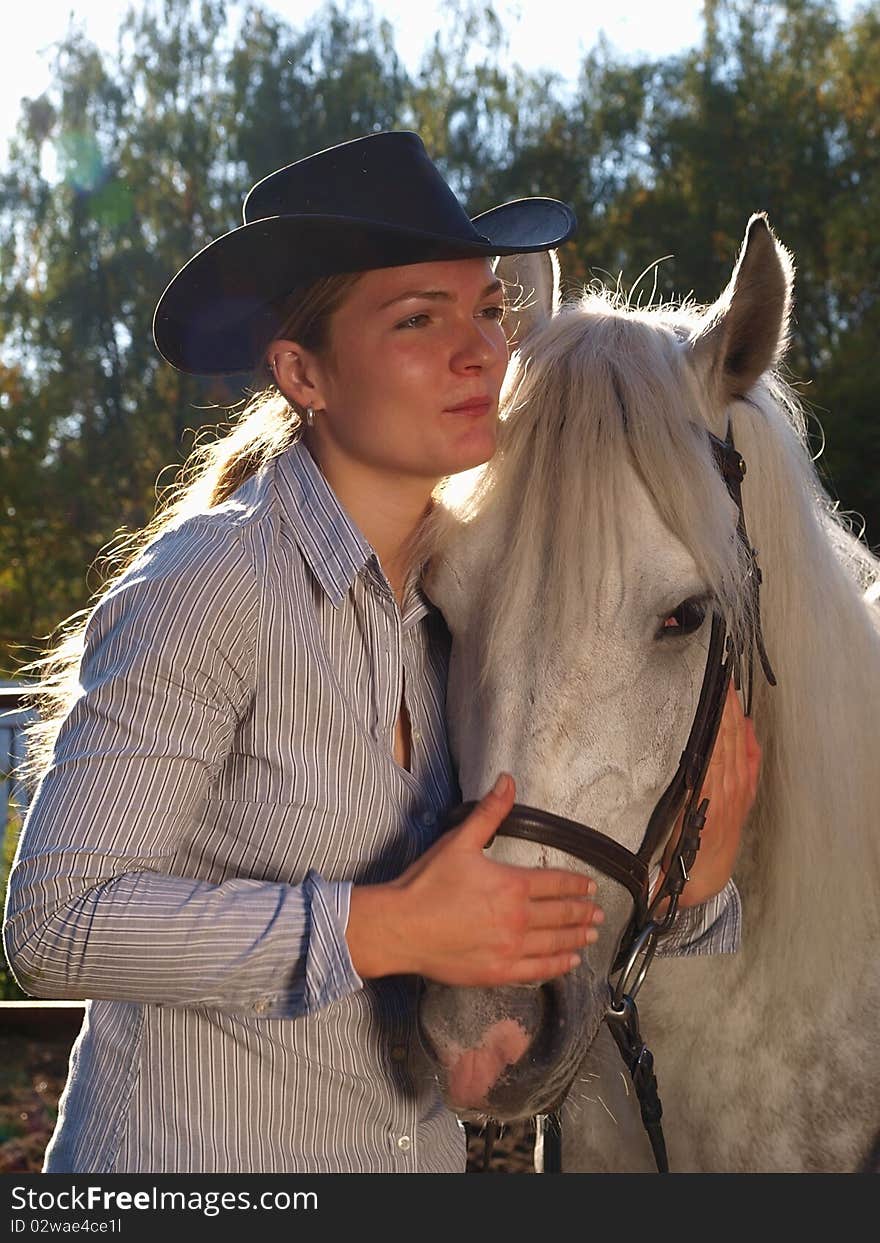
{"type": "Point", "coordinates": [130, 133]}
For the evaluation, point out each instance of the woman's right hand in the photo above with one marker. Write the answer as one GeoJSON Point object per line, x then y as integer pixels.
{"type": "Point", "coordinates": [459, 917]}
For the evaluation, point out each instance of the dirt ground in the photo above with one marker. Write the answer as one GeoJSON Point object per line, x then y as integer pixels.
{"type": "Point", "coordinates": [512, 1152]}
{"type": "Point", "coordinates": [32, 1076]}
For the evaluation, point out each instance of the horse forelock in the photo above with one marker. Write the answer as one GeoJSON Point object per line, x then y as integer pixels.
{"type": "Point", "coordinates": [601, 389]}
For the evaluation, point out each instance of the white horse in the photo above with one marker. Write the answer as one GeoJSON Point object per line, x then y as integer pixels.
{"type": "Point", "coordinates": [575, 573]}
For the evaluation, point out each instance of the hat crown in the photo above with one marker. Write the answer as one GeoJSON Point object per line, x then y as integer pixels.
{"type": "Point", "coordinates": [387, 178]}
{"type": "Point", "coordinates": [374, 202]}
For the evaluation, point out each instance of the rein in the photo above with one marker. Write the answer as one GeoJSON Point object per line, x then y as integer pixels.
{"type": "Point", "coordinates": [639, 941]}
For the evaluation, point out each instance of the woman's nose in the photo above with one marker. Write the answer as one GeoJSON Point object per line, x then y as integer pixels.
{"type": "Point", "coordinates": [481, 345]}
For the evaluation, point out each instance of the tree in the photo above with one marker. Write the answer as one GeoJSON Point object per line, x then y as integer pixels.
{"type": "Point", "coordinates": [776, 111]}
{"type": "Point", "coordinates": [134, 161]}
{"type": "Point", "coordinates": [153, 149]}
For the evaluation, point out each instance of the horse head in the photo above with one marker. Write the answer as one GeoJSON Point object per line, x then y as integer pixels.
{"type": "Point", "coordinates": [578, 580]}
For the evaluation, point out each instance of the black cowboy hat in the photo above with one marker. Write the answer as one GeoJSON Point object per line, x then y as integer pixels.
{"type": "Point", "coordinates": [374, 202]}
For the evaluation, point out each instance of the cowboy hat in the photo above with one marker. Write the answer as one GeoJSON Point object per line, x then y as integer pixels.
{"type": "Point", "coordinates": [374, 202]}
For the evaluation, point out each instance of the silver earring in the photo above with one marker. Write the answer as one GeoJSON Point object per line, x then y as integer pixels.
{"type": "Point", "coordinates": [310, 416]}
{"type": "Point", "coordinates": [274, 365]}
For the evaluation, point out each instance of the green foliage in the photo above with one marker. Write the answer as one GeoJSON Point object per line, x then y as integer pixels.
{"type": "Point", "coordinates": [135, 160]}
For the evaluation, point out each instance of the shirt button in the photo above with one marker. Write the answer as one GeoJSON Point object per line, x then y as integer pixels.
{"type": "Point", "coordinates": [398, 1053]}
{"type": "Point", "coordinates": [261, 1006]}
{"type": "Point", "coordinates": [428, 818]}
{"type": "Point", "coordinates": [416, 736]}
{"type": "Point", "coordinates": [404, 1143]}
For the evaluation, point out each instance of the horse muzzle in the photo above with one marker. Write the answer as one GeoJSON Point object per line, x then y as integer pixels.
{"type": "Point", "coordinates": [510, 1052]}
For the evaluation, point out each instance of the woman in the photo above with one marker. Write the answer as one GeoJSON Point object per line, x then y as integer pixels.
{"type": "Point", "coordinates": [235, 851]}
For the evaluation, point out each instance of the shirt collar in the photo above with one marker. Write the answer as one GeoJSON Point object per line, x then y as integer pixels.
{"type": "Point", "coordinates": [415, 605]}
{"type": "Point", "coordinates": [331, 543]}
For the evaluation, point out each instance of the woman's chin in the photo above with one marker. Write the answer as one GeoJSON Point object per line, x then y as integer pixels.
{"type": "Point", "coordinates": [474, 451]}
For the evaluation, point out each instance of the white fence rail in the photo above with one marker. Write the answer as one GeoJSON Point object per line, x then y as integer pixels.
{"type": "Point", "coordinates": [13, 718]}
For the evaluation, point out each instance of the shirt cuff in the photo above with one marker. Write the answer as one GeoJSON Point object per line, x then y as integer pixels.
{"type": "Point", "coordinates": [330, 973]}
{"type": "Point", "coordinates": [325, 973]}
{"type": "Point", "coordinates": [712, 927]}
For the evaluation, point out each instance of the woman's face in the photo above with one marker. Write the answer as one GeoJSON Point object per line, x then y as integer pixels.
{"type": "Point", "coordinates": [410, 378]}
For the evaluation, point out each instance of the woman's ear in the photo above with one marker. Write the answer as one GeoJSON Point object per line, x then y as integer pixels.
{"type": "Point", "coordinates": [297, 373]}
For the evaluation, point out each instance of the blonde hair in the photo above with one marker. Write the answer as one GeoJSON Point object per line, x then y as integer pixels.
{"type": "Point", "coordinates": [265, 425]}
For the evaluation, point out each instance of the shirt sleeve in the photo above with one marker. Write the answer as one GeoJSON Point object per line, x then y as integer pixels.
{"type": "Point", "coordinates": [93, 907]}
{"type": "Point", "coordinates": [712, 927]}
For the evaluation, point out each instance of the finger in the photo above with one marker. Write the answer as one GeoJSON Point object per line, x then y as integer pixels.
{"type": "Point", "coordinates": [747, 755]}
{"type": "Point", "coordinates": [478, 829]}
{"type": "Point", "coordinates": [552, 913]}
{"type": "Point", "coordinates": [556, 883]}
{"type": "Point", "coordinates": [734, 759]}
{"type": "Point", "coordinates": [722, 739]}
{"type": "Point", "coordinates": [753, 759]}
{"type": "Point", "coordinates": [533, 970]}
{"type": "Point", "coordinates": [548, 942]}
{"type": "Point", "coordinates": [734, 717]}
{"type": "Point", "coordinates": [752, 745]}
{"type": "Point", "coordinates": [729, 741]}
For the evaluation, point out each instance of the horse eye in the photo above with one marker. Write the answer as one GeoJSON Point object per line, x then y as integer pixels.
{"type": "Point", "coordinates": [687, 618]}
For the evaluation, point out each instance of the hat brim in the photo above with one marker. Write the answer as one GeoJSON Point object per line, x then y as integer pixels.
{"type": "Point", "coordinates": [220, 311]}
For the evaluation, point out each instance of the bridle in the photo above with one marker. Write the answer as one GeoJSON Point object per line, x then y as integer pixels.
{"type": "Point", "coordinates": [639, 942]}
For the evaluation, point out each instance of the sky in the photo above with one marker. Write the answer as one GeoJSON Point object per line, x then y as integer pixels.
{"type": "Point", "coordinates": [541, 33]}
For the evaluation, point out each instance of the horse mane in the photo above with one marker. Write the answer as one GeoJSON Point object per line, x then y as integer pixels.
{"type": "Point", "coordinates": [602, 386]}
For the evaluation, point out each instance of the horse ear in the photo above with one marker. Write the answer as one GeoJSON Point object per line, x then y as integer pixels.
{"type": "Point", "coordinates": [746, 330]}
{"type": "Point", "coordinates": [532, 291]}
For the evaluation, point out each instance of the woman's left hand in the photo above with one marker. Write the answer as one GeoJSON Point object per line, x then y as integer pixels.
{"type": "Point", "coordinates": [730, 786]}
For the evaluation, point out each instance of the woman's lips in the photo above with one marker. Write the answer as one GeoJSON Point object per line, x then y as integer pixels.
{"type": "Point", "coordinates": [472, 409]}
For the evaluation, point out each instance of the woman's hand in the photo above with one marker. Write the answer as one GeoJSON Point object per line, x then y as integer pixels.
{"type": "Point", "coordinates": [459, 917]}
{"type": "Point", "coordinates": [730, 786]}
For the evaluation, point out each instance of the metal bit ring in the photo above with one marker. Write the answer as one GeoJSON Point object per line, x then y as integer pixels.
{"type": "Point", "coordinates": [644, 947]}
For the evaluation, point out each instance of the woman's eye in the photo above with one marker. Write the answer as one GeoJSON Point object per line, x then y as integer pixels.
{"type": "Point", "coordinates": [687, 618]}
{"type": "Point", "coordinates": [494, 312]}
{"type": "Point", "coordinates": [415, 321]}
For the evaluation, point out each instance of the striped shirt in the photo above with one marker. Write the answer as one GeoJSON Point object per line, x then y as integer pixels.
{"type": "Point", "coordinates": [225, 776]}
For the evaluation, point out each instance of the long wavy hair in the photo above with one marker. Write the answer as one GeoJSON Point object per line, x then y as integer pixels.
{"type": "Point", "coordinates": [221, 460]}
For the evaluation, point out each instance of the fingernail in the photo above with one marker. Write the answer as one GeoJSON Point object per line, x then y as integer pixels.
{"type": "Point", "coordinates": [500, 785]}
{"type": "Point", "coordinates": [598, 915]}
{"type": "Point", "coordinates": [592, 935]}
{"type": "Point", "coordinates": [592, 887]}
{"type": "Point", "coordinates": [574, 961]}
